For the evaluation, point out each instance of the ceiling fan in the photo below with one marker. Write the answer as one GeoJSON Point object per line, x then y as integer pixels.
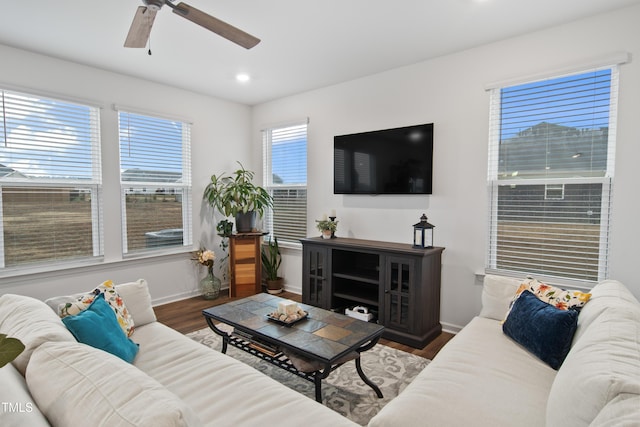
{"type": "Point", "coordinates": [145, 15]}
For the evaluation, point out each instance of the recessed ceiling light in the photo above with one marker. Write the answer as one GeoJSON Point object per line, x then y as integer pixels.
{"type": "Point", "coordinates": [243, 77]}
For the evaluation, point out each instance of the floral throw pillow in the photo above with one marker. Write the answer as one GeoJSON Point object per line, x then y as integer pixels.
{"type": "Point", "coordinates": [557, 297]}
{"type": "Point", "coordinates": [110, 296]}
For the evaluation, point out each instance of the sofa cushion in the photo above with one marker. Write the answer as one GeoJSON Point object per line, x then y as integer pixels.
{"type": "Point", "coordinates": [135, 295]}
{"type": "Point", "coordinates": [32, 322]}
{"type": "Point", "coordinates": [622, 411]}
{"type": "Point", "coordinates": [216, 385]}
{"type": "Point", "coordinates": [497, 294]}
{"type": "Point", "coordinates": [111, 296]}
{"type": "Point", "coordinates": [541, 328]}
{"type": "Point", "coordinates": [18, 408]}
{"type": "Point", "coordinates": [137, 298]}
{"type": "Point", "coordinates": [603, 362]}
{"type": "Point", "coordinates": [98, 327]}
{"type": "Point", "coordinates": [480, 378]}
{"type": "Point", "coordinates": [605, 296]}
{"type": "Point", "coordinates": [77, 385]}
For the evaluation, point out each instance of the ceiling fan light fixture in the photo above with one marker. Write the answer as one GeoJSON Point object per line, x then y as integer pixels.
{"type": "Point", "coordinates": [154, 4]}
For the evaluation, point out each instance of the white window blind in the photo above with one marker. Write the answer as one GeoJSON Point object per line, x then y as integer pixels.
{"type": "Point", "coordinates": [155, 179]}
{"type": "Point", "coordinates": [551, 166]}
{"type": "Point", "coordinates": [50, 181]}
{"type": "Point", "coordinates": [285, 177]}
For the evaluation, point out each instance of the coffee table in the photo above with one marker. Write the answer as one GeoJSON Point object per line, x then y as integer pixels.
{"type": "Point", "coordinates": [311, 348]}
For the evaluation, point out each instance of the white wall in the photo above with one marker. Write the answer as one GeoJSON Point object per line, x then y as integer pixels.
{"type": "Point", "coordinates": [449, 91]}
{"type": "Point", "coordinates": [217, 126]}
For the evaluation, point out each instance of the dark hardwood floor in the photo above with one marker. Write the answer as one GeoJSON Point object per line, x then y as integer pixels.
{"type": "Point", "coordinates": [186, 316]}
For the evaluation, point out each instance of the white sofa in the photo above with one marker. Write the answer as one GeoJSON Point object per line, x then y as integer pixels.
{"type": "Point", "coordinates": [173, 381]}
{"type": "Point", "coordinates": [480, 378]}
{"type": "Point", "coordinates": [483, 378]}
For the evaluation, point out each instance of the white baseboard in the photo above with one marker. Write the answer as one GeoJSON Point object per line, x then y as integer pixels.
{"type": "Point", "coordinates": [181, 296]}
{"type": "Point", "coordinates": [450, 328]}
{"type": "Point", "coordinates": [293, 289]}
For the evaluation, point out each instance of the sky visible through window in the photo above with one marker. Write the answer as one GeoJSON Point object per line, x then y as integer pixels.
{"type": "Point", "coordinates": [580, 101]}
{"type": "Point", "coordinates": [289, 155]}
{"type": "Point", "coordinates": [45, 138]}
{"type": "Point", "coordinates": [150, 143]}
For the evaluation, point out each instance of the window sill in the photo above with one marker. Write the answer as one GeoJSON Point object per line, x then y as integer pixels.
{"type": "Point", "coordinates": [28, 274]}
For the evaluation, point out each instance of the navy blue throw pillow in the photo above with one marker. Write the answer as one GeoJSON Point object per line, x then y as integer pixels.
{"type": "Point", "coordinates": [541, 328]}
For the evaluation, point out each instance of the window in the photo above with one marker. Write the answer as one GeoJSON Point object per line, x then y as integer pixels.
{"type": "Point", "coordinates": [50, 181]}
{"type": "Point", "coordinates": [155, 180]}
{"type": "Point", "coordinates": [285, 177]}
{"type": "Point", "coordinates": [554, 191]}
{"type": "Point", "coordinates": [551, 166]}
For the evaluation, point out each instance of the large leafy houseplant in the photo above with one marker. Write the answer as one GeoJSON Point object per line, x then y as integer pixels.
{"type": "Point", "coordinates": [237, 196]}
{"type": "Point", "coordinates": [271, 260]}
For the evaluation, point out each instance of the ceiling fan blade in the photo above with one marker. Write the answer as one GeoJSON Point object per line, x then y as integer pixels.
{"type": "Point", "coordinates": [219, 27]}
{"type": "Point", "coordinates": [140, 27]}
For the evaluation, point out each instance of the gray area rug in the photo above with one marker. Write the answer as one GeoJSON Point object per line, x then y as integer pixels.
{"type": "Point", "coordinates": [344, 392]}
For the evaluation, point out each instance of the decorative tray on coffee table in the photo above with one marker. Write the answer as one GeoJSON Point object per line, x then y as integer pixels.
{"type": "Point", "coordinates": [287, 320]}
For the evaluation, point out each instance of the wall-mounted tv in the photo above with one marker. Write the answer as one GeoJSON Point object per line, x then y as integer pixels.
{"type": "Point", "coordinates": [390, 161]}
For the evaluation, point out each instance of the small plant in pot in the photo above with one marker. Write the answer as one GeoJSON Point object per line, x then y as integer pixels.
{"type": "Point", "coordinates": [237, 196]}
{"type": "Point", "coordinates": [271, 260]}
{"type": "Point", "coordinates": [327, 228]}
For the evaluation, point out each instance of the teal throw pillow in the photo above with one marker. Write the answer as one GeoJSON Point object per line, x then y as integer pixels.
{"type": "Point", "coordinates": [541, 328]}
{"type": "Point", "coordinates": [98, 327]}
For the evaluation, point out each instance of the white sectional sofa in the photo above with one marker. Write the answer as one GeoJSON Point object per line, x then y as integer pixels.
{"type": "Point", "coordinates": [483, 378]}
{"type": "Point", "coordinates": [173, 380]}
{"type": "Point", "coordinates": [480, 378]}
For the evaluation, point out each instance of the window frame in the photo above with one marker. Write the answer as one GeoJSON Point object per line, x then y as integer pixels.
{"type": "Point", "coordinates": [272, 187]}
{"type": "Point", "coordinates": [40, 103]}
{"type": "Point", "coordinates": [183, 187]}
{"type": "Point", "coordinates": [495, 181]}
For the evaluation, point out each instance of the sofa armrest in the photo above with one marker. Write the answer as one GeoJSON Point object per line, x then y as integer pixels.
{"type": "Point", "coordinates": [17, 406]}
{"type": "Point", "coordinates": [497, 292]}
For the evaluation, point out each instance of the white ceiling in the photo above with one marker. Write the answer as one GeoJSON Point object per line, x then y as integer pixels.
{"type": "Point", "coordinates": [305, 44]}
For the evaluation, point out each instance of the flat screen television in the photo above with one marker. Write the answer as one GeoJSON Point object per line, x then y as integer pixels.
{"type": "Point", "coordinates": [390, 161]}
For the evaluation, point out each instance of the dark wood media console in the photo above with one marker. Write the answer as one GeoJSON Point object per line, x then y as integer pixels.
{"type": "Point", "coordinates": [397, 282]}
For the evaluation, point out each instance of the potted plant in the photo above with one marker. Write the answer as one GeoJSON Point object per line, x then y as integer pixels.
{"type": "Point", "coordinates": [235, 195]}
{"type": "Point", "coordinates": [271, 260]}
{"type": "Point", "coordinates": [327, 227]}
{"type": "Point", "coordinates": [10, 348]}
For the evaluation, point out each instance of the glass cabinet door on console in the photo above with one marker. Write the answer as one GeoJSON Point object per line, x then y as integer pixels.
{"type": "Point", "coordinates": [398, 293]}
{"type": "Point", "coordinates": [315, 286]}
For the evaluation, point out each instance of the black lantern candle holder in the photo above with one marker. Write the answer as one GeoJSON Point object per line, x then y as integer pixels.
{"type": "Point", "coordinates": [423, 234]}
{"type": "Point", "coordinates": [333, 231]}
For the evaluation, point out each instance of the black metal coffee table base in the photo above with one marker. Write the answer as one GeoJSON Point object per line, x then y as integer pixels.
{"type": "Point", "coordinates": [282, 361]}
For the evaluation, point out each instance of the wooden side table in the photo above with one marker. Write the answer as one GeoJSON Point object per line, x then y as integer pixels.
{"type": "Point", "coordinates": [245, 264]}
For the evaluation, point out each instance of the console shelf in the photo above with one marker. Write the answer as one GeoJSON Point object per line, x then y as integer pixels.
{"type": "Point", "coordinates": [397, 281]}
{"type": "Point", "coordinates": [357, 277]}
